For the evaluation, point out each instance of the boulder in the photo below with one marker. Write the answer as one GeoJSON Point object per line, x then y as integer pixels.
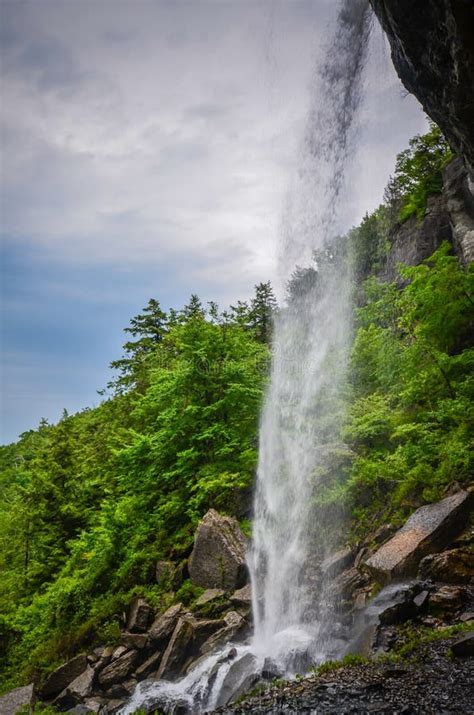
{"type": "Point", "coordinates": [211, 594]}
{"type": "Point", "coordinates": [134, 640]}
{"type": "Point", "coordinates": [164, 625]}
{"type": "Point", "coordinates": [234, 622]}
{"type": "Point", "coordinates": [62, 676]}
{"type": "Point", "coordinates": [453, 566]}
{"type": "Point", "coordinates": [150, 665]}
{"type": "Point", "coordinates": [118, 669]}
{"type": "Point", "coordinates": [218, 557]}
{"type": "Point", "coordinates": [464, 647]}
{"type": "Point", "coordinates": [428, 529]}
{"type": "Point", "coordinates": [447, 599]}
{"type": "Point", "coordinates": [242, 597]}
{"type": "Point", "coordinates": [337, 563]}
{"type": "Point", "coordinates": [139, 617]}
{"type": "Point", "coordinates": [177, 649]}
{"type": "Point", "coordinates": [11, 702]}
{"type": "Point", "coordinates": [77, 691]}
{"type": "Point", "coordinates": [240, 677]}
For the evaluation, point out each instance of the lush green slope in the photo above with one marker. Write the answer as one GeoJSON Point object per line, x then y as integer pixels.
{"type": "Point", "coordinates": [87, 506]}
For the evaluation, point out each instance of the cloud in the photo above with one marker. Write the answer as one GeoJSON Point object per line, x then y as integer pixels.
{"type": "Point", "coordinates": [147, 147]}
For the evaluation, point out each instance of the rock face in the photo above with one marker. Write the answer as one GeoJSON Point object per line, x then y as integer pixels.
{"type": "Point", "coordinates": [459, 192]}
{"type": "Point", "coordinates": [429, 528]}
{"type": "Point", "coordinates": [165, 624]}
{"type": "Point", "coordinates": [432, 45]}
{"type": "Point", "coordinates": [453, 566]}
{"type": "Point", "coordinates": [16, 699]}
{"type": "Point", "coordinates": [218, 557]}
{"type": "Point", "coordinates": [413, 242]}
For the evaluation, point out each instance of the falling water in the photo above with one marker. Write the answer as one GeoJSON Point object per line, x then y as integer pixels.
{"type": "Point", "coordinates": [301, 416]}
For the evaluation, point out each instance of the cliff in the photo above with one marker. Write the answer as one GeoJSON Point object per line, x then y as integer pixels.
{"type": "Point", "coordinates": [432, 43]}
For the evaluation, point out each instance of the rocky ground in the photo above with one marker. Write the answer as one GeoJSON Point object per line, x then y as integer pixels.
{"type": "Point", "coordinates": [432, 681]}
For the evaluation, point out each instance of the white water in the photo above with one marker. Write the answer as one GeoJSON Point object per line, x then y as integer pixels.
{"type": "Point", "coordinates": [302, 412]}
{"type": "Point", "coordinates": [303, 408]}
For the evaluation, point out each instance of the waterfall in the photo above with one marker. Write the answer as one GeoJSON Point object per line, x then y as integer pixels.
{"type": "Point", "coordinates": [301, 417]}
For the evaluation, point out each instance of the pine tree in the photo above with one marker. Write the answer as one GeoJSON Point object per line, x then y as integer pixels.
{"type": "Point", "coordinates": [262, 310]}
{"type": "Point", "coordinates": [148, 328]}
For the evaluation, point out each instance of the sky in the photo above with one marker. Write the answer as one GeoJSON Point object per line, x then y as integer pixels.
{"type": "Point", "coordinates": [146, 148]}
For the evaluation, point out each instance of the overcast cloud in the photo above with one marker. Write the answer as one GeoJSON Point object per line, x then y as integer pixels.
{"type": "Point", "coordinates": [146, 148]}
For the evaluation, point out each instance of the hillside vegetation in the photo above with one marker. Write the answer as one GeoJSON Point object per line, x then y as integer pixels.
{"type": "Point", "coordinates": [90, 504]}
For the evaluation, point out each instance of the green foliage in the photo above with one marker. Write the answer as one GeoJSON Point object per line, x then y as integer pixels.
{"type": "Point", "coordinates": [418, 173]}
{"type": "Point", "coordinates": [89, 505]}
{"type": "Point", "coordinates": [348, 660]}
{"type": "Point", "coordinates": [412, 416]}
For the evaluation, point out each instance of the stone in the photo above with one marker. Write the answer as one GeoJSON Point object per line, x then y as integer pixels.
{"type": "Point", "coordinates": [112, 707]}
{"type": "Point", "coordinates": [344, 586]}
{"type": "Point", "coordinates": [238, 680]}
{"type": "Point", "coordinates": [11, 702]}
{"type": "Point", "coordinates": [466, 617]}
{"type": "Point", "coordinates": [453, 566]}
{"type": "Point", "coordinates": [337, 563]}
{"type": "Point", "coordinates": [218, 557]}
{"type": "Point", "coordinates": [118, 669]}
{"type": "Point", "coordinates": [447, 598]}
{"type": "Point", "coordinates": [94, 704]}
{"type": "Point", "coordinates": [211, 594]}
{"type": "Point", "coordinates": [243, 596]}
{"type": "Point", "coordinates": [62, 676]}
{"type": "Point", "coordinates": [176, 651]}
{"type": "Point", "coordinates": [134, 640]}
{"type": "Point", "coordinates": [139, 617]}
{"type": "Point", "coordinates": [433, 53]}
{"type": "Point", "coordinates": [81, 687]}
{"type": "Point", "coordinates": [164, 625]}
{"type": "Point", "coordinates": [150, 665]}
{"type": "Point", "coordinates": [234, 622]}
{"type": "Point", "coordinates": [464, 647]}
{"type": "Point", "coordinates": [427, 529]}
{"type": "Point", "coordinates": [421, 600]}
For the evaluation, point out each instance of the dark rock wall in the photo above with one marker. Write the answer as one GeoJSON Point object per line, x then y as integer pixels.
{"type": "Point", "coordinates": [432, 44]}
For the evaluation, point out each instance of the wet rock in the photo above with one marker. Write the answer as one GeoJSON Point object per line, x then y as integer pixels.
{"type": "Point", "coordinates": [429, 528]}
{"type": "Point", "coordinates": [454, 566]}
{"type": "Point", "coordinates": [234, 623]}
{"type": "Point", "coordinates": [176, 651]}
{"type": "Point", "coordinates": [112, 707]}
{"type": "Point", "coordinates": [243, 596]}
{"type": "Point", "coordinates": [344, 586]}
{"type": "Point", "coordinates": [150, 665]}
{"type": "Point", "coordinates": [239, 679]}
{"type": "Point", "coordinates": [139, 617]}
{"type": "Point", "coordinates": [11, 702]}
{"type": "Point", "coordinates": [94, 704]}
{"type": "Point", "coordinates": [466, 617]}
{"type": "Point", "coordinates": [218, 557]}
{"type": "Point", "coordinates": [464, 647]}
{"type": "Point", "coordinates": [337, 563]}
{"type": "Point", "coordinates": [421, 600]}
{"type": "Point", "coordinates": [62, 676]}
{"type": "Point", "coordinates": [165, 624]}
{"type": "Point", "coordinates": [447, 599]}
{"type": "Point", "coordinates": [118, 669]}
{"type": "Point", "coordinates": [134, 640]}
{"type": "Point", "coordinates": [211, 594]}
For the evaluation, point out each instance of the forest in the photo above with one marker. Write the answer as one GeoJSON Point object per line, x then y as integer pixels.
{"type": "Point", "coordinates": [88, 505]}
